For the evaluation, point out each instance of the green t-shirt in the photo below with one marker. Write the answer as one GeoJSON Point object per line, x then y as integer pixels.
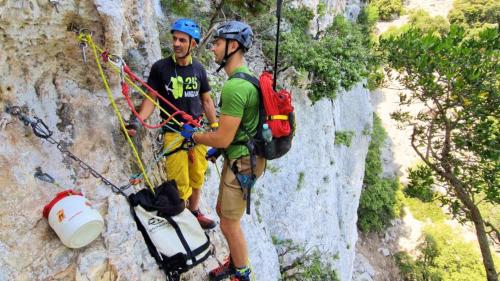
{"type": "Point", "coordinates": [239, 98]}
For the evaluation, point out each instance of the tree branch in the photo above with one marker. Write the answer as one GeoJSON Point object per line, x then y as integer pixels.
{"type": "Point", "coordinates": [493, 233]}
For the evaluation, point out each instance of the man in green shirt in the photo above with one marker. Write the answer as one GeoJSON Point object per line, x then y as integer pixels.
{"type": "Point", "coordinates": [237, 123]}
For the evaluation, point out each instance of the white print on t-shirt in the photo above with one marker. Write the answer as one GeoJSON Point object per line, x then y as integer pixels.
{"type": "Point", "coordinates": [190, 94]}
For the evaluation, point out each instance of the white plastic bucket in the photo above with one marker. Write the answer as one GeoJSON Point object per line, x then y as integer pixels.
{"type": "Point", "coordinates": [71, 216]}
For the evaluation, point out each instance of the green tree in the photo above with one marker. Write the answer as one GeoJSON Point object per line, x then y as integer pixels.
{"type": "Point", "coordinates": [335, 58]}
{"type": "Point", "coordinates": [422, 20]}
{"type": "Point", "coordinates": [456, 80]}
{"type": "Point", "coordinates": [420, 185]}
{"type": "Point", "coordinates": [474, 13]}
{"type": "Point", "coordinates": [388, 9]}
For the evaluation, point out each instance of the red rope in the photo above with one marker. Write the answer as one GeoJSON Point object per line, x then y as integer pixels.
{"type": "Point", "coordinates": [188, 118]}
{"type": "Point", "coordinates": [125, 92]}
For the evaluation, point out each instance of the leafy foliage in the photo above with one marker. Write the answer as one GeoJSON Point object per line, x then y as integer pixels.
{"type": "Point", "coordinates": [388, 9]}
{"type": "Point", "coordinates": [474, 13]}
{"type": "Point", "coordinates": [256, 13]}
{"type": "Point", "coordinates": [421, 20]}
{"type": "Point", "coordinates": [425, 211]}
{"type": "Point", "coordinates": [420, 269]}
{"type": "Point", "coordinates": [344, 138]}
{"type": "Point", "coordinates": [335, 58]}
{"type": "Point", "coordinates": [380, 199]}
{"type": "Point", "coordinates": [367, 20]}
{"type": "Point", "coordinates": [306, 265]}
{"type": "Point", "coordinates": [420, 185]}
{"type": "Point", "coordinates": [373, 168]}
{"type": "Point", "coordinates": [442, 255]}
{"type": "Point", "coordinates": [457, 134]}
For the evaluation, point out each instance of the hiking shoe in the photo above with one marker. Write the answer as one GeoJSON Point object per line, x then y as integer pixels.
{"type": "Point", "coordinates": [225, 270]}
{"type": "Point", "coordinates": [204, 221]}
{"type": "Point", "coordinates": [242, 274]}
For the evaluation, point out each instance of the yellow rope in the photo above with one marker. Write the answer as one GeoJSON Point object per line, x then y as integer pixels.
{"type": "Point", "coordinates": [130, 82]}
{"type": "Point", "coordinates": [117, 112]}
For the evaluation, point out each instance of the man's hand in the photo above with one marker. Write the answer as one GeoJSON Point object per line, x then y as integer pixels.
{"type": "Point", "coordinates": [187, 132]}
{"type": "Point", "coordinates": [133, 126]}
{"type": "Point", "coordinates": [213, 154]}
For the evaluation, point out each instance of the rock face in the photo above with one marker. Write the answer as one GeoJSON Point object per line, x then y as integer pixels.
{"type": "Point", "coordinates": [309, 196]}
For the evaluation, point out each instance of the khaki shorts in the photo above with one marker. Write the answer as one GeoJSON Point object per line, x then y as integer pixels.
{"type": "Point", "coordinates": [187, 174]}
{"type": "Point", "coordinates": [230, 199]}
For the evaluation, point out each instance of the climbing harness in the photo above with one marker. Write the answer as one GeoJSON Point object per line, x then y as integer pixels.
{"type": "Point", "coordinates": [41, 130]}
{"type": "Point", "coordinates": [246, 182]}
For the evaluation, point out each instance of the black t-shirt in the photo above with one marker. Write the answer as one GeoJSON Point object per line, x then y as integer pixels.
{"type": "Point", "coordinates": [180, 85]}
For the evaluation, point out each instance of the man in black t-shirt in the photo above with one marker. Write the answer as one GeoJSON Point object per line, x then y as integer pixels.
{"type": "Point", "coordinates": [183, 81]}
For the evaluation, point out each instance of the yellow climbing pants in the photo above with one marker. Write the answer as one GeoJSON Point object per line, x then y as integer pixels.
{"type": "Point", "coordinates": [187, 173]}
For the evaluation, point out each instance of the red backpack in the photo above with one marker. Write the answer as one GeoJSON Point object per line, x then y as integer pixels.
{"type": "Point", "coordinates": [275, 110]}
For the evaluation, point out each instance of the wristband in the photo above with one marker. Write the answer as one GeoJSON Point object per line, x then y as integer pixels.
{"type": "Point", "coordinates": [214, 125]}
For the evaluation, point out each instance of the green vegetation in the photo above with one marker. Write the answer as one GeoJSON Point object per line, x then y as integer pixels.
{"type": "Point", "coordinates": [300, 181]}
{"type": "Point", "coordinates": [420, 269]}
{"type": "Point", "coordinates": [181, 8]}
{"type": "Point", "coordinates": [388, 9]}
{"type": "Point", "coordinates": [420, 185]}
{"type": "Point", "coordinates": [456, 77]}
{"type": "Point", "coordinates": [421, 20]}
{"type": "Point", "coordinates": [367, 20]}
{"type": "Point", "coordinates": [306, 265]}
{"type": "Point", "coordinates": [229, 8]}
{"type": "Point", "coordinates": [424, 211]}
{"type": "Point", "coordinates": [256, 13]}
{"type": "Point", "coordinates": [335, 58]}
{"type": "Point", "coordinates": [373, 168]}
{"type": "Point", "coordinates": [344, 138]}
{"type": "Point", "coordinates": [381, 198]}
{"type": "Point", "coordinates": [272, 169]}
{"type": "Point", "coordinates": [475, 13]}
{"type": "Point", "coordinates": [444, 256]}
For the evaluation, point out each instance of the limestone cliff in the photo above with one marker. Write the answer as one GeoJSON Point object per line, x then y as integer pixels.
{"type": "Point", "coordinates": [309, 196]}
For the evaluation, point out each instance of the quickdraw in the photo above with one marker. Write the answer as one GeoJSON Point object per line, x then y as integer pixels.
{"type": "Point", "coordinates": [41, 130]}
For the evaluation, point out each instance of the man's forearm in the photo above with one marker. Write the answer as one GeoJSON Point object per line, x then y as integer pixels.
{"type": "Point", "coordinates": [147, 108]}
{"type": "Point", "coordinates": [209, 107]}
{"type": "Point", "coordinates": [213, 139]}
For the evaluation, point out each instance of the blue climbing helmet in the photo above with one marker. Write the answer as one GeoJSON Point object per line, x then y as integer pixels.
{"type": "Point", "coordinates": [187, 26]}
{"type": "Point", "coordinates": [236, 30]}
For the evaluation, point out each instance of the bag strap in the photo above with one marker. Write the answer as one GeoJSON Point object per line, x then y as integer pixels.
{"type": "Point", "coordinates": [248, 77]}
{"type": "Point", "coordinates": [254, 81]}
{"type": "Point", "coordinates": [185, 244]}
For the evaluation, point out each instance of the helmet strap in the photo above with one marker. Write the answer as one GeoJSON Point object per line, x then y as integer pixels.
{"type": "Point", "coordinates": [227, 56]}
{"type": "Point", "coordinates": [189, 49]}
